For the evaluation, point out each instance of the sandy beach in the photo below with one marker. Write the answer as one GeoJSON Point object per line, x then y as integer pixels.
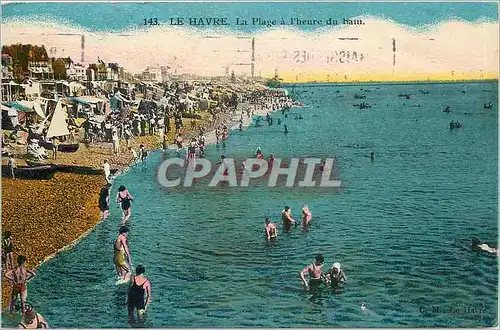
{"type": "Point", "coordinates": [47, 216]}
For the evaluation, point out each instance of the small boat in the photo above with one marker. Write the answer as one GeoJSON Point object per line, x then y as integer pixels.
{"type": "Point", "coordinates": [32, 163]}
{"type": "Point", "coordinates": [73, 147]}
{"type": "Point", "coordinates": [82, 169]}
{"type": "Point", "coordinates": [362, 105]}
{"type": "Point", "coordinates": [41, 172]}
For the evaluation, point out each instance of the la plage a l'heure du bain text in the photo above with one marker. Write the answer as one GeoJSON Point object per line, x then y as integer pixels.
{"type": "Point", "coordinates": [255, 21]}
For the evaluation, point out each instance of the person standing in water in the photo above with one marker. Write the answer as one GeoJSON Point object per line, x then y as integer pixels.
{"type": "Point", "coordinates": [271, 230]}
{"type": "Point", "coordinates": [224, 165]}
{"type": "Point", "coordinates": [286, 129]}
{"type": "Point", "coordinates": [286, 217]}
{"type": "Point", "coordinates": [136, 301]}
{"type": "Point", "coordinates": [8, 250]}
{"type": "Point", "coordinates": [121, 251]}
{"type": "Point", "coordinates": [270, 162]}
{"type": "Point", "coordinates": [372, 156]}
{"type": "Point", "coordinates": [143, 154]}
{"type": "Point", "coordinates": [335, 276]}
{"type": "Point", "coordinates": [323, 167]}
{"type": "Point", "coordinates": [125, 199]}
{"type": "Point", "coordinates": [104, 201]}
{"type": "Point", "coordinates": [315, 271]}
{"type": "Point", "coordinates": [33, 320]}
{"type": "Point", "coordinates": [192, 150]}
{"type": "Point", "coordinates": [19, 277]}
{"type": "Point", "coordinates": [477, 246]}
{"type": "Point", "coordinates": [306, 216]}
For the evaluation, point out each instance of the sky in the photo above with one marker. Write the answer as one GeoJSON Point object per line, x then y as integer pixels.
{"type": "Point", "coordinates": [432, 39]}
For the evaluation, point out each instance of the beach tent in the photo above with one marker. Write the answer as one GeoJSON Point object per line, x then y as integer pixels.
{"type": "Point", "coordinates": [58, 126]}
{"type": "Point", "coordinates": [22, 106]}
{"type": "Point", "coordinates": [96, 104]}
{"type": "Point", "coordinates": [37, 106]}
{"type": "Point", "coordinates": [118, 101]}
{"type": "Point", "coordinates": [76, 87]}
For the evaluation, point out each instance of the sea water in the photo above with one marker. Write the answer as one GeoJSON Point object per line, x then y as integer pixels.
{"type": "Point", "coordinates": [400, 226]}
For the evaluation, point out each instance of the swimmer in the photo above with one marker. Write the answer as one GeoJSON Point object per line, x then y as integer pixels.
{"type": "Point", "coordinates": [323, 166]}
{"type": "Point", "coordinates": [335, 276]}
{"type": "Point", "coordinates": [270, 162]}
{"type": "Point", "coordinates": [124, 198]}
{"type": "Point", "coordinates": [306, 216]}
{"type": "Point", "coordinates": [286, 129]}
{"type": "Point", "coordinates": [244, 168]}
{"type": "Point", "coordinates": [477, 246]}
{"type": "Point", "coordinates": [271, 230]}
{"type": "Point", "coordinates": [136, 301]}
{"type": "Point", "coordinates": [372, 156]}
{"type": "Point", "coordinates": [315, 271]}
{"type": "Point", "coordinates": [19, 277]}
{"type": "Point", "coordinates": [33, 320]}
{"type": "Point", "coordinates": [121, 251]}
{"type": "Point", "coordinates": [287, 219]}
{"type": "Point", "coordinates": [223, 163]}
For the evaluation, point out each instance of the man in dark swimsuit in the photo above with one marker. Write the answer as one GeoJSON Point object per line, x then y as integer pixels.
{"type": "Point", "coordinates": [140, 285]}
{"type": "Point", "coordinates": [287, 219]}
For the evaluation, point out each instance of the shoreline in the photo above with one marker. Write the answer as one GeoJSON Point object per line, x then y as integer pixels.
{"type": "Point", "coordinates": [232, 125]}
{"type": "Point", "coordinates": [72, 213]}
{"type": "Point", "coordinates": [82, 220]}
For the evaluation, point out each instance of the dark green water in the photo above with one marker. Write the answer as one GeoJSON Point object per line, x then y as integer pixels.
{"type": "Point", "coordinates": [401, 226]}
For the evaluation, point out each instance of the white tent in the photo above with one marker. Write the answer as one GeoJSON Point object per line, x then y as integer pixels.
{"type": "Point", "coordinates": [38, 108]}
{"type": "Point", "coordinates": [58, 126]}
